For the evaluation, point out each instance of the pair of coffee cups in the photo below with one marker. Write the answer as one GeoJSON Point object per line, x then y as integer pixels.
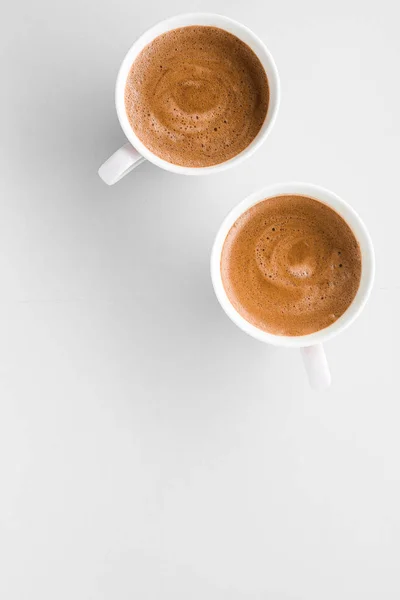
{"type": "Point", "coordinates": [135, 152]}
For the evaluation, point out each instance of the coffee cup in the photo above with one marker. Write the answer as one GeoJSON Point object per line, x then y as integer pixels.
{"type": "Point", "coordinates": [311, 345]}
{"type": "Point", "coordinates": [133, 153]}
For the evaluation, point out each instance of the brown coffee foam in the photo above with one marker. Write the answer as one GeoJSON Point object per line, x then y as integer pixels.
{"type": "Point", "coordinates": [196, 96]}
{"type": "Point", "coordinates": [291, 265]}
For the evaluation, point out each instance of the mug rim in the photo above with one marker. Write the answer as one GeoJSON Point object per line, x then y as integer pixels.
{"type": "Point", "coordinates": [359, 230]}
{"type": "Point", "coordinates": [184, 20]}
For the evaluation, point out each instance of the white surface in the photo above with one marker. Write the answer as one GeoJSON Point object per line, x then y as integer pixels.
{"type": "Point", "coordinates": [148, 448]}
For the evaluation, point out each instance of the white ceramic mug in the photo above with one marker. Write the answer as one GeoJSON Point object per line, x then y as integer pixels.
{"type": "Point", "coordinates": [311, 345]}
{"type": "Point", "coordinates": [135, 152]}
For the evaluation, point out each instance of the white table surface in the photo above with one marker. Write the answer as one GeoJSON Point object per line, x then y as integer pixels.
{"type": "Point", "coordinates": [148, 448]}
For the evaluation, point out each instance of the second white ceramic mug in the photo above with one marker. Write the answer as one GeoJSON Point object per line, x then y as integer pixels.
{"type": "Point", "coordinates": [311, 345]}
{"type": "Point", "coordinates": [135, 152]}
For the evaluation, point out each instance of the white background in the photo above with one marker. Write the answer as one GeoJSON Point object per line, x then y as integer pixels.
{"type": "Point", "coordinates": [148, 448]}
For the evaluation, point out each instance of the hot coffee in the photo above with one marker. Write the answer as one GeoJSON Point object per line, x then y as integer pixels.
{"type": "Point", "coordinates": [196, 96]}
{"type": "Point", "coordinates": [291, 265]}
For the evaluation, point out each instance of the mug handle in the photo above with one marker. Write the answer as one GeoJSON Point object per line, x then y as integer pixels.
{"type": "Point", "coordinates": [122, 162]}
{"type": "Point", "coordinates": [316, 366]}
